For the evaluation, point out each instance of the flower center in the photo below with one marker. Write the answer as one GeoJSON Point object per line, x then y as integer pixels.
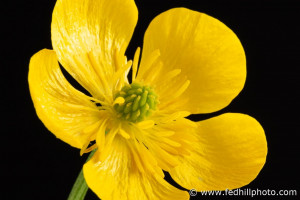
{"type": "Point", "coordinates": [137, 102]}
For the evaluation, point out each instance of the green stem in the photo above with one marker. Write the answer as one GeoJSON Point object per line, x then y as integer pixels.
{"type": "Point", "coordinates": [80, 187]}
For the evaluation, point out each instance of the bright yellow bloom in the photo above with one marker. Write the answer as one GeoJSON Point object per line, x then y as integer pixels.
{"type": "Point", "coordinates": [191, 63]}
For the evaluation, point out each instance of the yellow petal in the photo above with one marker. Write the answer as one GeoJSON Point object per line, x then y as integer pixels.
{"type": "Point", "coordinates": [206, 51]}
{"type": "Point", "coordinates": [231, 151]}
{"type": "Point", "coordinates": [65, 111]}
{"type": "Point", "coordinates": [120, 177]}
{"type": "Point", "coordinates": [167, 141]}
{"type": "Point", "coordinates": [90, 38]}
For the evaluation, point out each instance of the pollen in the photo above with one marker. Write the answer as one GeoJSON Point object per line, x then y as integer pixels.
{"type": "Point", "coordinates": [138, 104]}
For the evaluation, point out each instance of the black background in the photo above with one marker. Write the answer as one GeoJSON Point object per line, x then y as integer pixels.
{"type": "Point", "coordinates": [36, 165]}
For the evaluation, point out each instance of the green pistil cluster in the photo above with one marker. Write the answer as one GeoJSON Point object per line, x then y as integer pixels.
{"type": "Point", "coordinates": [140, 102]}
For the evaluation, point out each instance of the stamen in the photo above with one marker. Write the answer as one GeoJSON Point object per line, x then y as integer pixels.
{"type": "Point", "coordinates": [92, 128]}
{"type": "Point", "coordinates": [119, 56]}
{"type": "Point", "coordinates": [144, 160]}
{"type": "Point", "coordinates": [149, 62]}
{"type": "Point", "coordinates": [169, 148]}
{"type": "Point", "coordinates": [70, 105]}
{"type": "Point", "coordinates": [83, 148]}
{"type": "Point", "coordinates": [99, 101]}
{"type": "Point", "coordinates": [168, 161]}
{"type": "Point", "coordinates": [100, 137]}
{"type": "Point", "coordinates": [173, 94]}
{"type": "Point", "coordinates": [145, 124]}
{"type": "Point", "coordinates": [110, 136]}
{"type": "Point", "coordinates": [170, 75]}
{"type": "Point", "coordinates": [137, 158]}
{"type": "Point", "coordinates": [89, 66]}
{"type": "Point", "coordinates": [119, 100]}
{"type": "Point", "coordinates": [108, 141]}
{"type": "Point", "coordinates": [124, 134]}
{"type": "Point", "coordinates": [174, 104]}
{"type": "Point", "coordinates": [181, 89]}
{"type": "Point", "coordinates": [167, 118]}
{"type": "Point", "coordinates": [135, 63]}
{"type": "Point", "coordinates": [99, 72]}
{"type": "Point", "coordinates": [120, 74]}
{"type": "Point", "coordinates": [180, 114]}
{"type": "Point", "coordinates": [170, 142]}
{"type": "Point", "coordinates": [153, 74]}
{"type": "Point", "coordinates": [76, 61]}
{"type": "Point", "coordinates": [189, 123]}
{"type": "Point", "coordinates": [91, 148]}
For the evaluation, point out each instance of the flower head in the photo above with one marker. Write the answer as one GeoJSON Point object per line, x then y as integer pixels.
{"type": "Point", "coordinates": [191, 63]}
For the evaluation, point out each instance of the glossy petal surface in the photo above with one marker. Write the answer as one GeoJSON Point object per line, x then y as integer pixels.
{"type": "Point", "coordinates": [230, 152]}
{"type": "Point", "coordinates": [90, 38]}
{"type": "Point", "coordinates": [204, 50]}
{"type": "Point", "coordinates": [65, 111]}
{"type": "Point", "coordinates": [118, 177]}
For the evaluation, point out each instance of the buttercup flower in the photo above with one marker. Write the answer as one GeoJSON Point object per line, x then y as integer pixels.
{"type": "Point", "coordinates": [191, 63]}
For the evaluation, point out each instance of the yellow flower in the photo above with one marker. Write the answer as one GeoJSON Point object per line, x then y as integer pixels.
{"type": "Point", "coordinates": [191, 63]}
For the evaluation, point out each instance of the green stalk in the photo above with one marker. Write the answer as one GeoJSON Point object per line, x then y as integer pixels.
{"type": "Point", "coordinates": [80, 187]}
